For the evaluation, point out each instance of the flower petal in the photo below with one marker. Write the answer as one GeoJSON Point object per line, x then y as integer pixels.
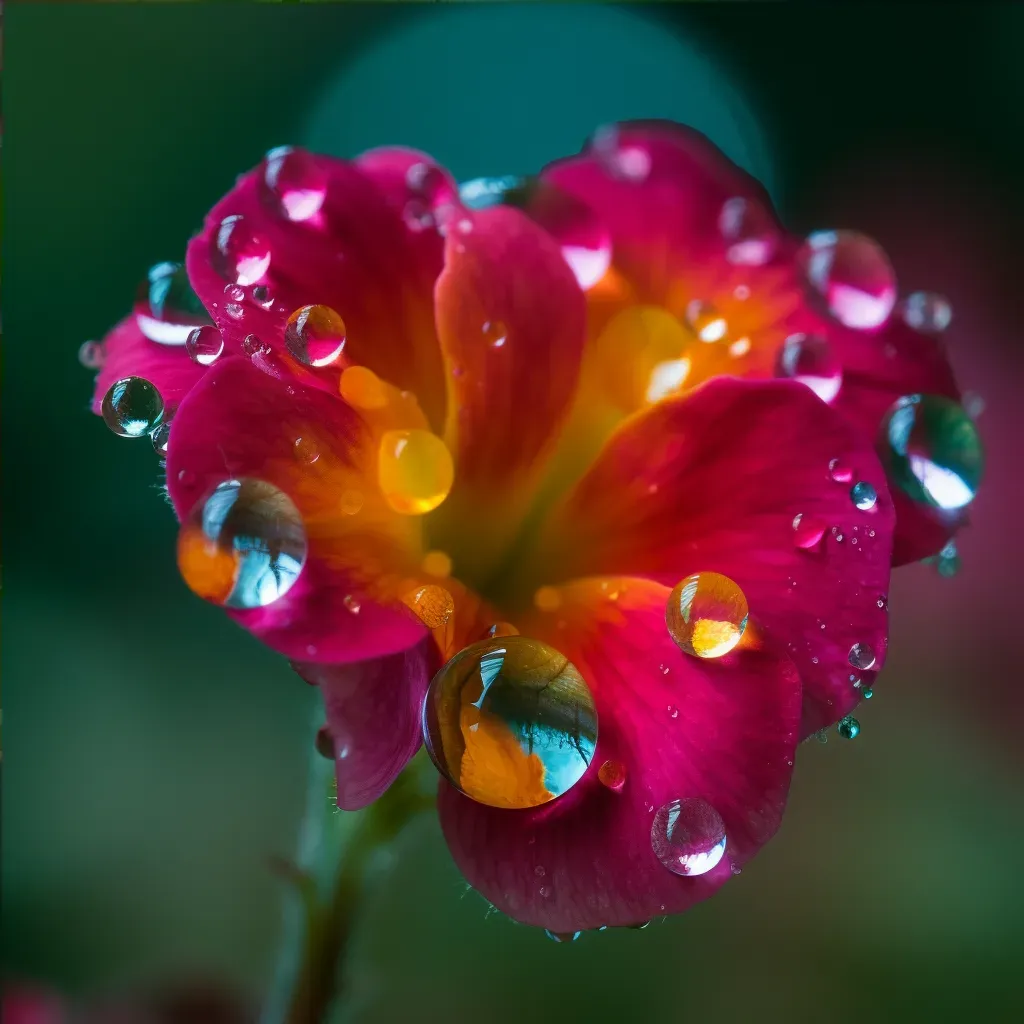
{"type": "Point", "coordinates": [723, 731]}
{"type": "Point", "coordinates": [241, 422]}
{"type": "Point", "coordinates": [511, 320]}
{"type": "Point", "coordinates": [374, 717]}
{"type": "Point", "coordinates": [129, 353]}
{"type": "Point", "coordinates": [354, 253]}
{"type": "Point", "coordinates": [713, 481]}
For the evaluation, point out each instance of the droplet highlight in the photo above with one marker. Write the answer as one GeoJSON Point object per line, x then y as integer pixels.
{"type": "Point", "coordinates": [166, 307]}
{"type": "Point", "coordinates": [432, 605]}
{"type": "Point", "coordinates": [848, 728]}
{"type": "Point", "coordinates": [415, 470]}
{"type": "Point", "coordinates": [926, 312]}
{"type": "Point", "coordinates": [749, 232]}
{"type": "Point", "coordinates": [864, 496]}
{"type": "Point", "coordinates": [293, 183]}
{"type": "Point", "coordinates": [132, 407]}
{"type": "Point", "coordinates": [706, 614]}
{"type": "Point", "coordinates": [238, 253]}
{"type": "Point", "coordinates": [315, 335]}
{"type": "Point", "coordinates": [688, 836]}
{"type": "Point", "coordinates": [705, 321]}
{"type": "Point", "coordinates": [862, 657]}
{"type": "Point", "coordinates": [809, 359]}
{"type": "Point", "coordinates": [204, 345]}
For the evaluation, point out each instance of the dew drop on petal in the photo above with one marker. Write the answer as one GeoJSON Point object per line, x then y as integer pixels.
{"type": "Point", "coordinates": [315, 335]}
{"type": "Point", "coordinates": [931, 450]}
{"type": "Point", "coordinates": [748, 231]}
{"type": "Point", "coordinates": [495, 333]}
{"type": "Point", "coordinates": [864, 496]}
{"type": "Point", "coordinates": [204, 345]}
{"type": "Point", "coordinates": [362, 388]}
{"type": "Point", "coordinates": [351, 502]}
{"type": "Point", "coordinates": [850, 275]}
{"type": "Point", "coordinates": [627, 161]}
{"type": "Point", "coordinates": [510, 722]}
{"type": "Point", "coordinates": [483, 193]}
{"type": "Point", "coordinates": [352, 603]}
{"type": "Point", "coordinates": [688, 836]}
{"type": "Point", "coordinates": [809, 359]}
{"type": "Point", "coordinates": [868, 693]}
{"type": "Point", "coordinates": [243, 545]}
{"type": "Point", "coordinates": [324, 743]}
{"type": "Point", "coordinates": [807, 531]}
{"type": "Point", "coordinates": [612, 775]}
{"type": "Point", "coordinates": [166, 307]}
{"type": "Point", "coordinates": [926, 312]}
{"type": "Point", "coordinates": [862, 656]}
{"type": "Point", "coordinates": [293, 183]}
{"type": "Point", "coordinates": [502, 629]}
{"type": "Point", "coordinates": [415, 470]}
{"type": "Point", "coordinates": [91, 354]}
{"type": "Point", "coordinates": [947, 561]}
{"type": "Point", "coordinates": [705, 321]}
{"type": "Point", "coordinates": [239, 254]}
{"type": "Point", "coordinates": [160, 438]}
{"type": "Point", "coordinates": [262, 297]}
{"type": "Point", "coordinates": [562, 936]}
{"type": "Point", "coordinates": [848, 728]}
{"type": "Point", "coordinates": [306, 451]}
{"type": "Point", "coordinates": [432, 605]}
{"type": "Point", "coordinates": [706, 614]}
{"type": "Point", "coordinates": [132, 407]}
{"type": "Point", "coordinates": [840, 471]}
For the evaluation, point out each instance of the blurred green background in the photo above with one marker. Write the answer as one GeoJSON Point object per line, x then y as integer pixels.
{"type": "Point", "coordinates": [155, 755]}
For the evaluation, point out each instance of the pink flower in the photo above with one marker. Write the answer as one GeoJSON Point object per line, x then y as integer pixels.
{"type": "Point", "coordinates": [417, 426]}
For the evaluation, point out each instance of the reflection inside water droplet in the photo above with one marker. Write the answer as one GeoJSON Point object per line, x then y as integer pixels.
{"type": "Point", "coordinates": [810, 360]}
{"type": "Point", "coordinates": [132, 407]}
{"type": "Point", "coordinates": [706, 614]}
{"type": "Point", "coordinates": [688, 836]}
{"type": "Point", "coordinates": [415, 470]}
{"type": "Point", "coordinates": [315, 335]}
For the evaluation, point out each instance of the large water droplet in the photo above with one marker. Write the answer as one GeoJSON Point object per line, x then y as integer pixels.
{"type": "Point", "coordinates": [926, 312]}
{"type": "Point", "coordinates": [862, 656]}
{"type": "Point", "coordinates": [510, 722]}
{"type": "Point", "coordinates": [132, 407]}
{"type": "Point", "coordinates": [851, 276]}
{"type": "Point", "coordinates": [204, 345]}
{"type": "Point", "coordinates": [315, 335]}
{"type": "Point", "coordinates": [432, 605]}
{"type": "Point", "coordinates": [293, 183]}
{"type": "Point", "coordinates": [688, 836]}
{"type": "Point", "coordinates": [415, 470]}
{"type": "Point", "coordinates": [243, 545]}
{"type": "Point", "coordinates": [809, 359]}
{"type": "Point", "coordinates": [808, 531]}
{"type": "Point", "coordinates": [749, 232]}
{"type": "Point", "coordinates": [864, 496]}
{"type": "Point", "coordinates": [238, 253]}
{"type": "Point", "coordinates": [166, 308]}
{"type": "Point", "coordinates": [931, 451]}
{"type": "Point", "coordinates": [849, 728]}
{"type": "Point", "coordinates": [706, 614]}
{"type": "Point", "coordinates": [705, 321]}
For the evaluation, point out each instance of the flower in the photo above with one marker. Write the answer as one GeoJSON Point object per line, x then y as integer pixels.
{"type": "Point", "coordinates": [424, 435]}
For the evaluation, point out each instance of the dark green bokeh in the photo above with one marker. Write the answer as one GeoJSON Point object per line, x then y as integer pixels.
{"type": "Point", "coordinates": [155, 754]}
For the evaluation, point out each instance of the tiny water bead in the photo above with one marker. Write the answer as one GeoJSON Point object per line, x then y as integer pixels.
{"type": "Point", "coordinates": [848, 728]}
{"type": "Point", "coordinates": [706, 614]}
{"type": "Point", "coordinates": [91, 354]}
{"type": "Point", "coordinates": [862, 656]}
{"type": "Point", "coordinates": [688, 836]}
{"type": "Point", "coordinates": [362, 388]}
{"type": "Point", "coordinates": [293, 183]}
{"type": "Point", "coordinates": [931, 450]}
{"type": "Point", "coordinates": [748, 231]}
{"type": "Point", "coordinates": [947, 561]}
{"type": "Point", "coordinates": [612, 775]}
{"type": "Point", "coordinates": [161, 438]}
{"type": "Point", "coordinates": [840, 471]}
{"type": "Point", "coordinates": [850, 275]}
{"type": "Point", "coordinates": [415, 470]}
{"type": "Point", "coordinates": [132, 407]}
{"type": "Point", "coordinates": [864, 496]}
{"type": "Point", "coordinates": [306, 451]}
{"type": "Point", "coordinates": [809, 359]}
{"type": "Point", "coordinates": [432, 605]}
{"type": "Point", "coordinates": [315, 335]}
{"type": "Point", "coordinates": [352, 603]}
{"type": "Point", "coordinates": [510, 722]}
{"type": "Point", "coordinates": [867, 693]}
{"type": "Point", "coordinates": [705, 321]}
{"type": "Point", "coordinates": [495, 333]}
{"type": "Point", "coordinates": [807, 531]}
{"type": "Point", "coordinates": [166, 308]}
{"type": "Point", "coordinates": [204, 345]}
{"type": "Point", "coordinates": [926, 312]}
{"type": "Point", "coordinates": [238, 253]}
{"type": "Point", "coordinates": [242, 546]}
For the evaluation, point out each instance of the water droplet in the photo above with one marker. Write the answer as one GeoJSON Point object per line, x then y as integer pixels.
{"type": "Point", "coordinates": [362, 388]}
{"type": "Point", "coordinates": [238, 253]}
{"type": "Point", "coordinates": [706, 614]}
{"type": "Point", "coordinates": [547, 599]}
{"type": "Point", "coordinates": [234, 310]}
{"type": "Point", "coordinates": [539, 871]}
{"type": "Point", "coordinates": [673, 711]}
{"type": "Point", "coordinates": [705, 321]}
{"type": "Point", "coordinates": [809, 359]}
{"type": "Point", "coordinates": [160, 438]}
{"type": "Point", "coordinates": [502, 629]}
{"type": "Point", "coordinates": [862, 656]}
{"type": "Point", "coordinates": [315, 335]}
{"type": "Point", "coordinates": [293, 183]}
{"type": "Point", "coordinates": [352, 603]}
{"type": "Point", "coordinates": [510, 722]}
{"type": "Point", "coordinates": [947, 561]}
{"type": "Point", "coordinates": [262, 297]}
{"type": "Point", "coordinates": [749, 232]}
{"type": "Point", "coordinates": [882, 602]}
{"type": "Point", "coordinates": [868, 693]}
{"type": "Point", "coordinates": [864, 496]}
{"type": "Point", "coordinates": [848, 728]}
{"type": "Point", "coordinates": [666, 379]}
{"type": "Point", "coordinates": [166, 307]}
{"type": "Point", "coordinates": [495, 333]}
{"type": "Point", "coordinates": [851, 276]}
{"type": "Point", "coordinates": [432, 605]}
{"type": "Point", "coordinates": [483, 193]}
{"type": "Point", "coordinates": [132, 407]}
{"type": "Point", "coordinates": [840, 471]}
{"type": "Point", "coordinates": [351, 502]}
{"type": "Point", "coordinates": [186, 477]}
{"type": "Point", "coordinates": [253, 346]}
{"type": "Point", "coordinates": [562, 936]}
{"type": "Point", "coordinates": [931, 451]}
{"type": "Point", "coordinates": [204, 345]}
{"type": "Point", "coordinates": [807, 531]}
{"type": "Point", "coordinates": [926, 312]}
{"type": "Point", "coordinates": [623, 160]}
{"type": "Point", "coordinates": [544, 891]}
{"type": "Point", "coordinates": [234, 292]}
{"type": "Point", "coordinates": [306, 450]}
{"type": "Point", "coordinates": [739, 348]}
{"type": "Point", "coordinates": [688, 836]}
{"type": "Point", "coordinates": [243, 545]}
{"type": "Point", "coordinates": [415, 470]}
{"type": "Point", "coordinates": [324, 743]}
{"type": "Point", "coordinates": [437, 563]}
{"type": "Point", "coordinates": [612, 775]}
{"type": "Point", "coordinates": [91, 354]}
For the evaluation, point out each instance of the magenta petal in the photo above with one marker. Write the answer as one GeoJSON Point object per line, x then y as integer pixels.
{"type": "Point", "coordinates": [714, 481]}
{"type": "Point", "coordinates": [374, 718]}
{"type": "Point", "coordinates": [723, 731]}
{"type": "Point", "coordinates": [129, 353]}
{"type": "Point", "coordinates": [241, 422]}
